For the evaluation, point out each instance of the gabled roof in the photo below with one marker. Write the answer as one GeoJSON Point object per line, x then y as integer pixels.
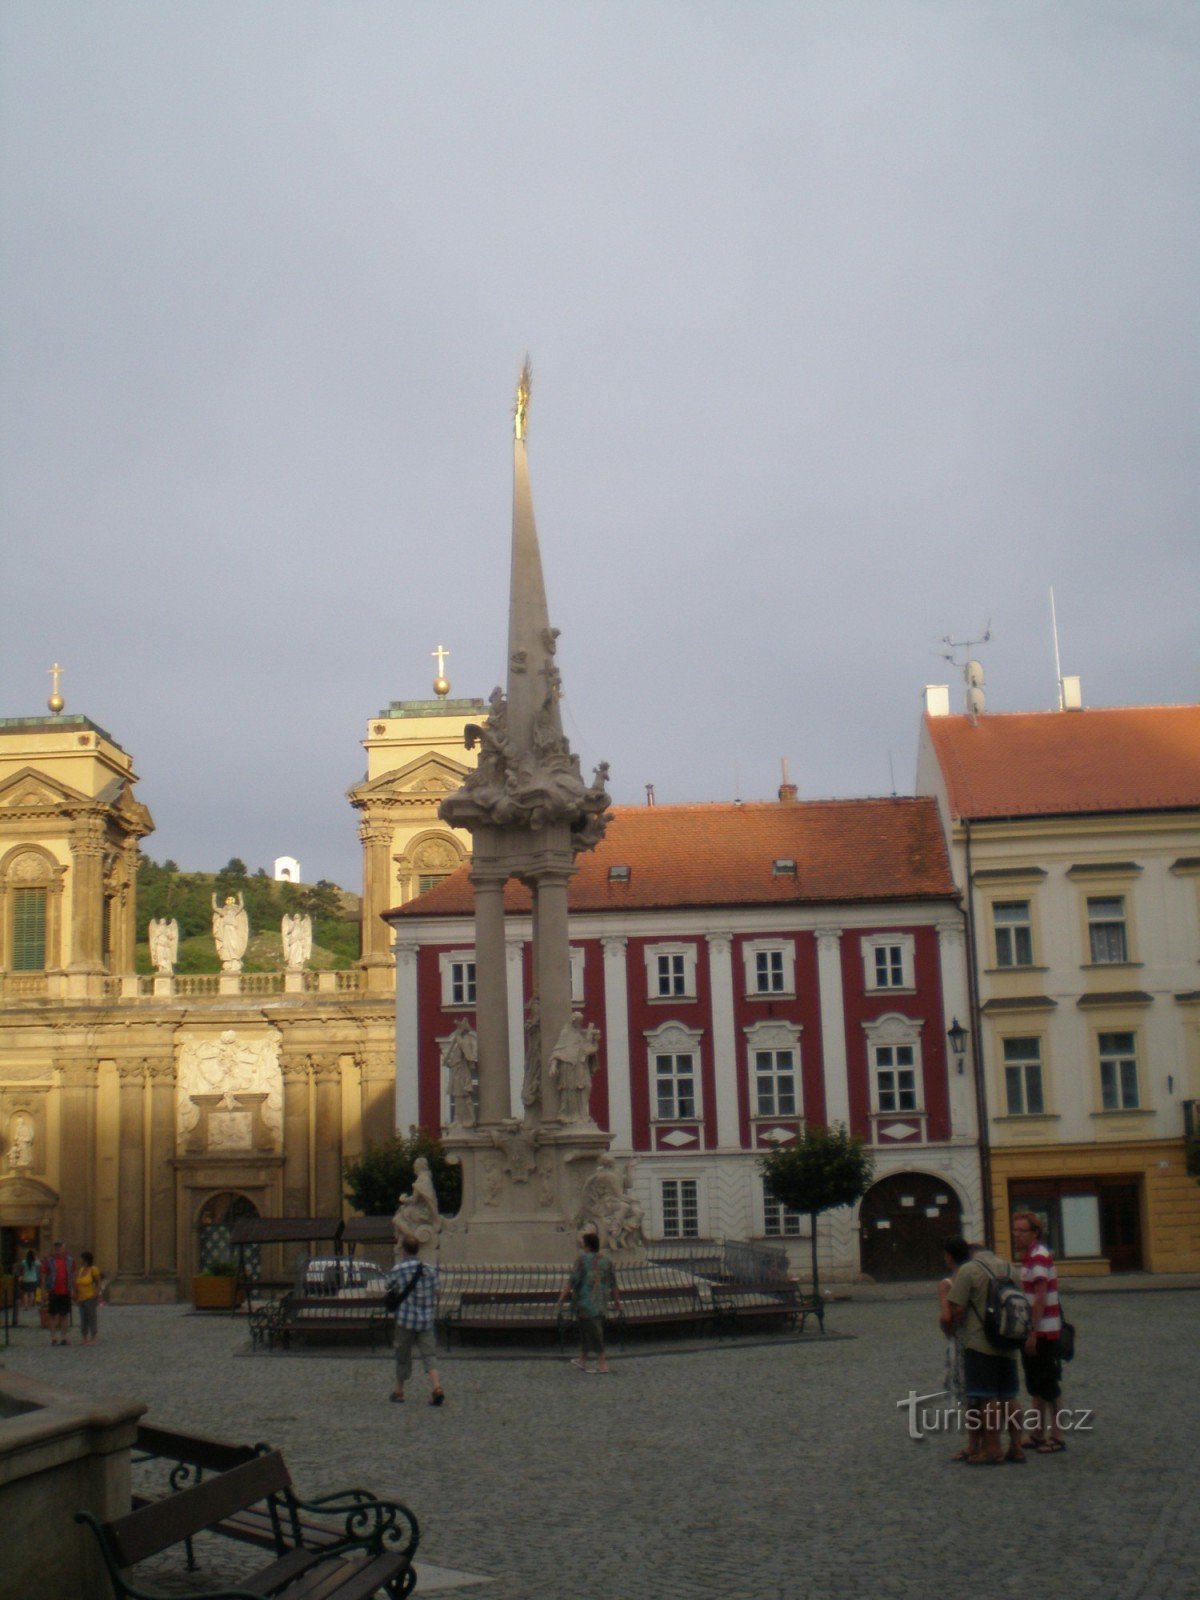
{"type": "Point", "coordinates": [724, 855]}
{"type": "Point", "coordinates": [1054, 763]}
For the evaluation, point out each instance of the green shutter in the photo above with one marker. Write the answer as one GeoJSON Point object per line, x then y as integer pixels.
{"type": "Point", "coordinates": [29, 930]}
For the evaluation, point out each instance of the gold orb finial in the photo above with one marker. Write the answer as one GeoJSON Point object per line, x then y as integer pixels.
{"type": "Point", "coordinates": [441, 684]}
{"type": "Point", "coordinates": [521, 409]}
{"type": "Point", "coordinates": [56, 701]}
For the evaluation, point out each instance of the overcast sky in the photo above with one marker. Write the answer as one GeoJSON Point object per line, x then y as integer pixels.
{"type": "Point", "coordinates": [854, 325]}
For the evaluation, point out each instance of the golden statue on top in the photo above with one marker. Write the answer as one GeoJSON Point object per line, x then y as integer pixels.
{"type": "Point", "coordinates": [524, 385]}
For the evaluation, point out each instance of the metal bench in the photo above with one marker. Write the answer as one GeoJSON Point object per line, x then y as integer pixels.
{"type": "Point", "coordinates": [373, 1553]}
{"type": "Point", "coordinates": [302, 1315]}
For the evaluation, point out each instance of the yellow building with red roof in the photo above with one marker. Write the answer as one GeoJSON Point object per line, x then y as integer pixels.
{"type": "Point", "coordinates": [1074, 836]}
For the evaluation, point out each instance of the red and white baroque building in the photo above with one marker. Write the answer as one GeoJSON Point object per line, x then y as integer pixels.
{"type": "Point", "coordinates": [750, 967]}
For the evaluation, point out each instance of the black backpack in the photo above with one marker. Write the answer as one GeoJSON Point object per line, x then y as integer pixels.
{"type": "Point", "coordinates": [1008, 1315]}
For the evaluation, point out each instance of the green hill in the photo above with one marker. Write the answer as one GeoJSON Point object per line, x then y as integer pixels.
{"type": "Point", "coordinates": [164, 891]}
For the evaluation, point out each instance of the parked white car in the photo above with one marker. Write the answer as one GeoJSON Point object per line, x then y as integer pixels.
{"type": "Point", "coordinates": [340, 1278]}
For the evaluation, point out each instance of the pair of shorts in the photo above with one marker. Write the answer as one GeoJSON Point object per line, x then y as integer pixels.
{"type": "Point", "coordinates": [988, 1377]}
{"type": "Point", "coordinates": [1043, 1370]}
{"type": "Point", "coordinates": [58, 1305]}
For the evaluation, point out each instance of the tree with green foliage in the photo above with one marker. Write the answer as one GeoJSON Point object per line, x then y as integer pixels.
{"type": "Point", "coordinates": [824, 1169]}
{"type": "Point", "coordinates": [376, 1179]}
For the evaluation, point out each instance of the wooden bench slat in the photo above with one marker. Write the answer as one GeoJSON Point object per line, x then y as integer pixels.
{"type": "Point", "coordinates": [345, 1580]}
{"type": "Point", "coordinates": [192, 1449]}
{"type": "Point", "coordinates": [189, 1511]}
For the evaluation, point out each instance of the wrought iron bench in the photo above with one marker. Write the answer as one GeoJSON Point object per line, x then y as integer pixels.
{"type": "Point", "coordinates": [373, 1553]}
{"type": "Point", "coordinates": [735, 1304]}
{"type": "Point", "coordinates": [301, 1315]}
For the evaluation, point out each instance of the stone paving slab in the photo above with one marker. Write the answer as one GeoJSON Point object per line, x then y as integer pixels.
{"type": "Point", "coordinates": [773, 1470]}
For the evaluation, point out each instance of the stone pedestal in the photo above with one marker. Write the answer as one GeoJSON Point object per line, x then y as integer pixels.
{"type": "Point", "coordinates": [522, 1186]}
{"type": "Point", "coordinates": [230, 983]}
{"type": "Point", "coordinates": [164, 986]}
{"type": "Point", "coordinates": [293, 982]}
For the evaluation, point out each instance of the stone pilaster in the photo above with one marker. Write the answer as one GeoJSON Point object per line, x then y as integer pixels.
{"type": "Point", "coordinates": [514, 950]}
{"type": "Point", "coordinates": [123, 910]}
{"type": "Point", "coordinates": [726, 1052]}
{"type": "Point", "coordinates": [833, 1025]}
{"type": "Point", "coordinates": [378, 1079]}
{"type": "Point", "coordinates": [77, 1151]}
{"type": "Point", "coordinates": [297, 1201]}
{"type": "Point", "coordinates": [161, 1074]}
{"type": "Point", "coordinates": [376, 839]}
{"type": "Point", "coordinates": [131, 1178]}
{"type": "Point", "coordinates": [491, 996]}
{"type": "Point", "coordinates": [616, 1039]}
{"type": "Point", "coordinates": [956, 1005]}
{"type": "Point", "coordinates": [327, 1149]}
{"type": "Point", "coordinates": [87, 897]}
{"type": "Point", "coordinates": [552, 963]}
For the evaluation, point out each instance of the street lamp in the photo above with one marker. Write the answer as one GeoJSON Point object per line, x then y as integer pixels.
{"type": "Point", "coordinates": [957, 1036]}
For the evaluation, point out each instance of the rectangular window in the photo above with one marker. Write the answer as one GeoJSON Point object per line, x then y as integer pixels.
{"type": "Point", "coordinates": [681, 1208]}
{"type": "Point", "coordinates": [29, 930]}
{"type": "Point", "coordinates": [1106, 929]}
{"type": "Point", "coordinates": [889, 966]}
{"type": "Point", "coordinates": [1023, 1077]}
{"type": "Point", "coordinates": [778, 1221]}
{"type": "Point", "coordinates": [895, 1077]}
{"type": "Point", "coordinates": [1118, 1072]}
{"type": "Point", "coordinates": [768, 972]}
{"type": "Point", "coordinates": [1014, 933]}
{"type": "Point", "coordinates": [462, 983]}
{"type": "Point", "coordinates": [675, 1087]}
{"type": "Point", "coordinates": [672, 976]}
{"type": "Point", "coordinates": [775, 1083]}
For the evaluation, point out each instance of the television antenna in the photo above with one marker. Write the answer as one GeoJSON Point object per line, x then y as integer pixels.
{"type": "Point", "coordinates": [971, 669]}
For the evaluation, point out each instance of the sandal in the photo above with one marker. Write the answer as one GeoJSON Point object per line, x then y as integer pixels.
{"type": "Point", "coordinates": [1051, 1447]}
{"type": "Point", "coordinates": [984, 1461]}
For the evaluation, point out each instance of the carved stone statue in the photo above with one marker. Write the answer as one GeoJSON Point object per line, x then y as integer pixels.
{"type": "Point", "coordinates": [231, 931]}
{"type": "Point", "coordinates": [20, 1149]}
{"type": "Point", "coordinates": [460, 1059]}
{"type": "Point", "coordinates": [230, 1066]}
{"type": "Point", "coordinates": [518, 1146]}
{"type": "Point", "coordinates": [531, 1087]}
{"type": "Point", "coordinates": [163, 936]}
{"type": "Point", "coordinates": [296, 933]}
{"type": "Point", "coordinates": [608, 1202]}
{"type": "Point", "coordinates": [417, 1215]}
{"type": "Point", "coordinates": [572, 1064]}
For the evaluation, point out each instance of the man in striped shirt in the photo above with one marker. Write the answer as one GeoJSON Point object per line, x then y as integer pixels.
{"type": "Point", "coordinates": [1039, 1358]}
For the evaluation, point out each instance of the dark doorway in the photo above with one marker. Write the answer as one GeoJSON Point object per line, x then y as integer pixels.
{"type": "Point", "coordinates": [903, 1222]}
{"type": "Point", "coordinates": [1121, 1226]}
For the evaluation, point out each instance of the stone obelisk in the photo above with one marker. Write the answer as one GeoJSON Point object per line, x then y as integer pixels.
{"type": "Point", "coordinates": [529, 812]}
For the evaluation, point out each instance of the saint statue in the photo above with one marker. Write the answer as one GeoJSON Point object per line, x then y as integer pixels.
{"type": "Point", "coordinates": [20, 1150]}
{"type": "Point", "coordinates": [531, 1086]}
{"type": "Point", "coordinates": [608, 1202]}
{"type": "Point", "coordinates": [460, 1058]}
{"type": "Point", "coordinates": [417, 1215]}
{"type": "Point", "coordinates": [296, 933]}
{"type": "Point", "coordinates": [572, 1064]}
{"type": "Point", "coordinates": [231, 931]}
{"type": "Point", "coordinates": [163, 936]}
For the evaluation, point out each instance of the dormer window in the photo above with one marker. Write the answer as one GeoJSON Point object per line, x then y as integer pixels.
{"type": "Point", "coordinates": [619, 874]}
{"type": "Point", "coordinates": [783, 867]}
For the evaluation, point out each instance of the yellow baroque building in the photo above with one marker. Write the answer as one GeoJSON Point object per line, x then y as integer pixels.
{"type": "Point", "coordinates": [140, 1116]}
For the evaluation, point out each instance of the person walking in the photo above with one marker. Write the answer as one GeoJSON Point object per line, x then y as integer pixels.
{"type": "Point", "coordinates": [416, 1282]}
{"type": "Point", "coordinates": [88, 1284]}
{"type": "Point", "coordinates": [58, 1273]}
{"type": "Point", "coordinates": [590, 1286]}
{"type": "Point", "coordinates": [1039, 1358]}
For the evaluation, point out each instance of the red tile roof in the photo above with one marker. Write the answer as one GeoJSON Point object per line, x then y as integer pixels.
{"type": "Point", "coordinates": [723, 855]}
{"type": "Point", "coordinates": [1050, 763]}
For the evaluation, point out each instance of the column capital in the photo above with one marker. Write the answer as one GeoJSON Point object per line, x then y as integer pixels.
{"type": "Point", "coordinates": [376, 1066]}
{"type": "Point", "coordinates": [161, 1072]}
{"type": "Point", "coordinates": [132, 1074]}
{"type": "Point", "coordinates": [326, 1067]}
{"type": "Point", "coordinates": [614, 946]}
{"type": "Point", "coordinates": [294, 1069]}
{"type": "Point", "coordinates": [828, 938]}
{"type": "Point", "coordinates": [950, 934]}
{"type": "Point", "coordinates": [406, 952]}
{"type": "Point", "coordinates": [514, 947]}
{"type": "Point", "coordinates": [79, 1073]}
{"type": "Point", "coordinates": [719, 944]}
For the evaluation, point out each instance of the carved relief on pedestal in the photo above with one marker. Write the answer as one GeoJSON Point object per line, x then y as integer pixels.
{"type": "Point", "coordinates": [518, 1149]}
{"type": "Point", "coordinates": [545, 1179]}
{"type": "Point", "coordinates": [230, 1092]}
{"type": "Point", "coordinates": [491, 1178]}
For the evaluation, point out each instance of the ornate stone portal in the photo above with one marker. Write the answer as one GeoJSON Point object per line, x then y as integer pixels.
{"type": "Point", "coordinates": [529, 811]}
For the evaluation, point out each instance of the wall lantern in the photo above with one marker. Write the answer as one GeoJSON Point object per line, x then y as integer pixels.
{"type": "Point", "coordinates": [957, 1036]}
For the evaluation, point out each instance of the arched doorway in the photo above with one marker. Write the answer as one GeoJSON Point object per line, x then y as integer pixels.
{"type": "Point", "coordinates": [902, 1223]}
{"type": "Point", "coordinates": [214, 1226]}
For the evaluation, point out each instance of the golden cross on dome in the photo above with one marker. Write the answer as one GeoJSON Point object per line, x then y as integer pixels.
{"type": "Point", "coordinates": [441, 655]}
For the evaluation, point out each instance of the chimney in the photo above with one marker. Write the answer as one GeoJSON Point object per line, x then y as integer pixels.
{"type": "Point", "coordinates": [937, 699]}
{"type": "Point", "coordinates": [788, 791]}
{"type": "Point", "coordinates": [1072, 694]}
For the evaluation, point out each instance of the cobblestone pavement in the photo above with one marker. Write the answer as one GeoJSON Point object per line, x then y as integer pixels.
{"type": "Point", "coordinates": [768, 1471]}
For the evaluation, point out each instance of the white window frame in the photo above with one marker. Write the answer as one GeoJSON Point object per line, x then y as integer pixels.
{"type": "Point", "coordinates": [1119, 1058]}
{"type": "Point", "coordinates": [682, 1190]}
{"type": "Point", "coordinates": [687, 974]}
{"type": "Point", "coordinates": [1012, 931]}
{"type": "Point", "coordinates": [447, 962]}
{"type": "Point", "coordinates": [785, 949]}
{"type": "Point", "coordinates": [1094, 923]}
{"type": "Point", "coordinates": [577, 955]}
{"type": "Point", "coordinates": [779, 1222]}
{"type": "Point", "coordinates": [905, 943]}
{"type": "Point", "coordinates": [673, 1039]}
{"type": "Point", "coordinates": [895, 1032]}
{"type": "Point", "coordinates": [1021, 1065]}
{"type": "Point", "coordinates": [774, 1035]}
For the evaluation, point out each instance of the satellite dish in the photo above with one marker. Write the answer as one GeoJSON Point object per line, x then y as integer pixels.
{"type": "Point", "coordinates": [976, 702]}
{"type": "Point", "coordinates": [973, 672]}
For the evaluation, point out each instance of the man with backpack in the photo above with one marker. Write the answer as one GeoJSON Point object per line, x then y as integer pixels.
{"type": "Point", "coordinates": [993, 1314]}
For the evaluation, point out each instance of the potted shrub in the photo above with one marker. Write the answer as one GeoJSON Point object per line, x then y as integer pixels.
{"type": "Point", "coordinates": [214, 1289]}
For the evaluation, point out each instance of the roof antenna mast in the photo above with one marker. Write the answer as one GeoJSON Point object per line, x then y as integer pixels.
{"type": "Point", "coordinates": [1057, 662]}
{"type": "Point", "coordinates": [971, 669]}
